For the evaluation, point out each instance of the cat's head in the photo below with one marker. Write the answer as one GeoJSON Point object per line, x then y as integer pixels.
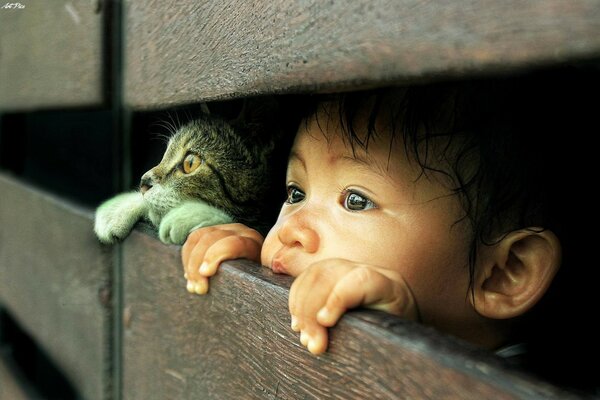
{"type": "Point", "coordinates": [208, 159]}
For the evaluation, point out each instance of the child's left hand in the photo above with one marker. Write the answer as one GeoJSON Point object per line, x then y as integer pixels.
{"type": "Point", "coordinates": [205, 249]}
{"type": "Point", "coordinates": [323, 292]}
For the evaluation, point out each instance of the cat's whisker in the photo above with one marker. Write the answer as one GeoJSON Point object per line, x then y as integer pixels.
{"type": "Point", "coordinates": [160, 136]}
{"type": "Point", "coordinates": [167, 126]}
{"type": "Point", "coordinates": [174, 123]}
{"type": "Point", "coordinates": [178, 121]}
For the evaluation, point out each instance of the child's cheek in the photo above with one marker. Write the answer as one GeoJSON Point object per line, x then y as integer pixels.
{"type": "Point", "coordinates": [269, 247]}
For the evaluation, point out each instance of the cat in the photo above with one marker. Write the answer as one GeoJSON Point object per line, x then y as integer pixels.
{"type": "Point", "coordinates": [211, 173]}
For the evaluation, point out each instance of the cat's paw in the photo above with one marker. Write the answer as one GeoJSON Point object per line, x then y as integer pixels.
{"type": "Point", "coordinates": [180, 221]}
{"type": "Point", "coordinates": [116, 217]}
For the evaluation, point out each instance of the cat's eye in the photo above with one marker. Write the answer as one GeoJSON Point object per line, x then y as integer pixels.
{"type": "Point", "coordinates": [190, 163]}
{"type": "Point", "coordinates": [355, 201]}
{"type": "Point", "coordinates": [295, 195]}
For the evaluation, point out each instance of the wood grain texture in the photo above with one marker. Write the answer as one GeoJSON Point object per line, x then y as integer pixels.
{"type": "Point", "coordinates": [54, 277]}
{"type": "Point", "coordinates": [236, 343]}
{"type": "Point", "coordinates": [226, 48]}
{"type": "Point", "coordinates": [50, 54]}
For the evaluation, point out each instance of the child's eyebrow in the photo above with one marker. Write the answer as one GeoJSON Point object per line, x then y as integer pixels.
{"type": "Point", "coordinates": [357, 160]}
{"type": "Point", "coordinates": [366, 163]}
{"type": "Point", "coordinates": [297, 156]}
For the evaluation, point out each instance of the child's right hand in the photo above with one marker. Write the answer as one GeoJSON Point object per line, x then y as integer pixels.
{"type": "Point", "coordinates": [324, 291]}
{"type": "Point", "coordinates": [205, 249]}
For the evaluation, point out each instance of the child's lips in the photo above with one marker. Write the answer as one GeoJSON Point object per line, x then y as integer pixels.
{"type": "Point", "coordinates": [279, 267]}
{"type": "Point", "coordinates": [279, 264]}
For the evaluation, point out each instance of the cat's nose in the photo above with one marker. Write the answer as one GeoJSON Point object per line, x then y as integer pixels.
{"type": "Point", "coordinates": [145, 184]}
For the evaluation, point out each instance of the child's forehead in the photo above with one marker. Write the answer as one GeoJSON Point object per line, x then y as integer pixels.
{"type": "Point", "coordinates": [328, 125]}
{"type": "Point", "coordinates": [331, 144]}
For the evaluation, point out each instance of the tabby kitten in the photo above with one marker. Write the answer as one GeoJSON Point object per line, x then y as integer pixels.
{"type": "Point", "coordinates": [210, 174]}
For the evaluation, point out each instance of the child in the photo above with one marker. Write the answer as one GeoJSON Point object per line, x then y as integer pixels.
{"type": "Point", "coordinates": [433, 203]}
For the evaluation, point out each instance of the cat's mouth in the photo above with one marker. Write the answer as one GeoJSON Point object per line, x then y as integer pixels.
{"type": "Point", "coordinates": [144, 188]}
{"type": "Point", "coordinates": [160, 200]}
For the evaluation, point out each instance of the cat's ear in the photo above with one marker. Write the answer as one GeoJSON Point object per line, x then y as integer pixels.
{"type": "Point", "coordinates": [259, 118]}
{"type": "Point", "coordinates": [204, 108]}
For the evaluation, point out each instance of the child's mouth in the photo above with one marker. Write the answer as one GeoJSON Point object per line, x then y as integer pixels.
{"type": "Point", "coordinates": [279, 268]}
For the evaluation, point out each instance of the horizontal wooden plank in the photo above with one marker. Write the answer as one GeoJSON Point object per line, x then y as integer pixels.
{"type": "Point", "coordinates": [50, 54]}
{"type": "Point", "coordinates": [236, 342]}
{"type": "Point", "coordinates": [226, 48]}
{"type": "Point", "coordinates": [54, 278]}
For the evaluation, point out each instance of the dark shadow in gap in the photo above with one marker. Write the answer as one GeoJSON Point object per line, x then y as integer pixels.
{"type": "Point", "coordinates": [37, 370]}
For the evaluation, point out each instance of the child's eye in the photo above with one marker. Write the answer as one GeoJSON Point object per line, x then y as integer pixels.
{"type": "Point", "coordinates": [354, 201]}
{"type": "Point", "coordinates": [295, 195]}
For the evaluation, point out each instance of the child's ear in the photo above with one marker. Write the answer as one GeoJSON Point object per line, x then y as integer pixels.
{"type": "Point", "coordinates": [512, 275]}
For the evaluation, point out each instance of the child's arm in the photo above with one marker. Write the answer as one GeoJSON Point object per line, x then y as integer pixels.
{"type": "Point", "coordinates": [206, 248]}
{"type": "Point", "coordinates": [322, 293]}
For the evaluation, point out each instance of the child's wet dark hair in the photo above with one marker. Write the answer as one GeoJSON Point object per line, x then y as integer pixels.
{"type": "Point", "coordinates": [476, 134]}
{"type": "Point", "coordinates": [514, 150]}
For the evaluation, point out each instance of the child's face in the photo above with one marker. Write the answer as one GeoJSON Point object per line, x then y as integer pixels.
{"type": "Point", "coordinates": [377, 209]}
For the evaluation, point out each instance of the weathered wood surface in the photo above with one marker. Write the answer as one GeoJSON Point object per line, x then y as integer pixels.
{"type": "Point", "coordinates": [213, 49]}
{"type": "Point", "coordinates": [50, 54]}
{"type": "Point", "coordinates": [54, 278]}
{"type": "Point", "coordinates": [236, 343]}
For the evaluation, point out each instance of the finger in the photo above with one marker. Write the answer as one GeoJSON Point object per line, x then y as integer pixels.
{"type": "Point", "coordinates": [304, 338]}
{"type": "Point", "coordinates": [205, 236]}
{"type": "Point", "coordinates": [315, 339]}
{"type": "Point", "coordinates": [189, 244]}
{"type": "Point", "coordinates": [308, 295]}
{"type": "Point", "coordinates": [297, 295]}
{"type": "Point", "coordinates": [200, 234]}
{"type": "Point", "coordinates": [361, 286]}
{"type": "Point", "coordinates": [243, 230]}
{"type": "Point", "coordinates": [199, 286]}
{"type": "Point", "coordinates": [296, 284]}
{"type": "Point", "coordinates": [300, 292]}
{"type": "Point", "coordinates": [294, 324]}
{"type": "Point", "coordinates": [229, 248]}
{"type": "Point", "coordinates": [198, 253]}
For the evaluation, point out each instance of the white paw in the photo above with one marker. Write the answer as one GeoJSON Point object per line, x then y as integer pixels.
{"type": "Point", "coordinates": [180, 221]}
{"type": "Point", "coordinates": [116, 217]}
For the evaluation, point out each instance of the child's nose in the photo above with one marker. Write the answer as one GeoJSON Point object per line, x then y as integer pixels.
{"type": "Point", "coordinates": [297, 230]}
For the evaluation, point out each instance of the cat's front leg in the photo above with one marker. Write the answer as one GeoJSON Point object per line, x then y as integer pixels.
{"type": "Point", "coordinates": [180, 221]}
{"type": "Point", "coordinates": [116, 217]}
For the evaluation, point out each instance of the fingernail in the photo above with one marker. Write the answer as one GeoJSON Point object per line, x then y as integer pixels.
{"type": "Point", "coordinates": [203, 268]}
{"type": "Point", "coordinates": [304, 338]}
{"type": "Point", "coordinates": [200, 288]}
{"type": "Point", "coordinates": [323, 314]}
{"type": "Point", "coordinates": [311, 346]}
{"type": "Point", "coordinates": [190, 286]}
{"type": "Point", "coordinates": [294, 323]}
